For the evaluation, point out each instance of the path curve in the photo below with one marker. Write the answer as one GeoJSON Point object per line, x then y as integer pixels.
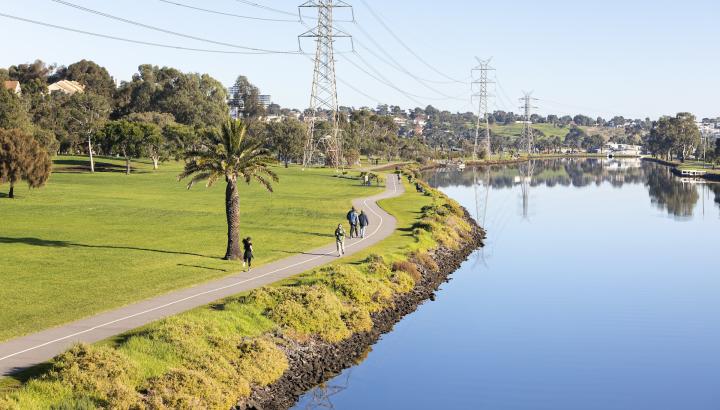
{"type": "Point", "coordinates": [27, 351]}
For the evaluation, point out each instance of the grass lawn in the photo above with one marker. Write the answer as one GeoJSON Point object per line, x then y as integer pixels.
{"type": "Point", "coordinates": [86, 243]}
{"type": "Point", "coordinates": [515, 130]}
{"type": "Point", "coordinates": [197, 339]}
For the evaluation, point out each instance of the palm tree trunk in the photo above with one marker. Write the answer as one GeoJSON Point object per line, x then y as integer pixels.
{"type": "Point", "coordinates": [232, 211]}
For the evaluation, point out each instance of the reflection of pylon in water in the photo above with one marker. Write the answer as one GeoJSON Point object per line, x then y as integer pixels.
{"type": "Point", "coordinates": [482, 219]}
{"type": "Point", "coordinates": [321, 395]}
{"type": "Point", "coordinates": [526, 176]}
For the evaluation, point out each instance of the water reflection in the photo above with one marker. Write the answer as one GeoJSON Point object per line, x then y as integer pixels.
{"type": "Point", "coordinates": [586, 296]}
{"type": "Point", "coordinates": [321, 396]}
{"type": "Point", "coordinates": [676, 196]}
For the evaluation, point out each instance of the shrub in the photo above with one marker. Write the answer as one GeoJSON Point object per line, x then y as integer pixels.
{"type": "Point", "coordinates": [190, 389]}
{"type": "Point", "coordinates": [369, 292]}
{"type": "Point", "coordinates": [358, 319]}
{"type": "Point", "coordinates": [374, 258]}
{"type": "Point", "coordinates": [454, 207]}
{"type": "Point", "coordinates": [102, 373]}
{"type": "Point", "coordinates": [261, 361]}
{"type": "Point", "coordinates": [307, 310]}
{"type": "Point", "coordinates": [409, 268]}
{"type": "Point", "coordinates": [403, 282]}
{"type": "Point", "coordinates": [426, 261]}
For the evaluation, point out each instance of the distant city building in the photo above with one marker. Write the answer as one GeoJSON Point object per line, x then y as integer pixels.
{"type": "Point", "coordinates": [67, 87]}
{"type": "Point", "coordinates": [265, 100]}
{"type": "Point", "coordinates": [13, 86]}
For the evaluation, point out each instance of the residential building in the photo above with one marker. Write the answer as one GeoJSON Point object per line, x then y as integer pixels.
{"type": "Point", "coordinates": [13, 86]}
{"type": "Point", "coordinates": [265, 100]}
{"type": "Point", "coordinates": [67, 87]}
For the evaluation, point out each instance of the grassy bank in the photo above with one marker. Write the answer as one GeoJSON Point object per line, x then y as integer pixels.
{"type": "Point", "coordinates": [212, 356]}
{"type": "Point", "coordinates": [91, 242]}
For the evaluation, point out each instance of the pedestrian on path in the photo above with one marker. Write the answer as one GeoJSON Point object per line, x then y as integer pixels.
{"type": "Point", "coordinates": [248, 253]}
{"type": "Point", "coordinates": [364, 223]}
{"type": "Point", "coordinates": [352, 218]}
{"type": "Point", "coordinates": [340, 240]}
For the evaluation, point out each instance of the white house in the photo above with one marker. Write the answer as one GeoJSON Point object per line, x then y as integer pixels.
{"type": "Point", "coordinates": [67, 87]}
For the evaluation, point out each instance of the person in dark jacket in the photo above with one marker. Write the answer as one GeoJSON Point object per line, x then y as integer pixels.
{"type": "Point", "coordinates": [364, 222]}
{"type": "Point", "coordinates": [340, 240]}
{"type": "Point", "coordinates": [352, 218]}
{"type": "Point", "coordinates": [248, 253]}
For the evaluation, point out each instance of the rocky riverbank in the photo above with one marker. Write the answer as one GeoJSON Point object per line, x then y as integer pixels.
{"type": "Point", "coordinates": [315, 361]}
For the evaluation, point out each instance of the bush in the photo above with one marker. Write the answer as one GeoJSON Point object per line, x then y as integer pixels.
{"type": "Point", "coordinates": [306, 310]}
{"type": "Point", "coordinates": [425, 260]}
{"type": "Point", "coordinates": [190, 389]}
{"type": "Point", "coordinates": [103, 374]}
{"type": "Point", "coordinates": [261, 361]}
{"type": "Point", "coordinates": [409, 268]}
{"type": "Point", "coordinates": [369, 292]}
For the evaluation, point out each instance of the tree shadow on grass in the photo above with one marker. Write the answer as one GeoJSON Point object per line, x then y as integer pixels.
{"type": "Point", "coordinates": [201, 267]}
{"type": "Point", "coordinates": [82, 166]}
{"type": "Point", "coordinates": [66, 244]}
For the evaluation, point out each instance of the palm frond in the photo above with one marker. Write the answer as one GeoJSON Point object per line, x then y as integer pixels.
{"type": "Point", "coordinates": [200, 177]}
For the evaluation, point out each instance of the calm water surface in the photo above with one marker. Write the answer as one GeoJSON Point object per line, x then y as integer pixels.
{"type": "Point", "coordinates": [599, 288]}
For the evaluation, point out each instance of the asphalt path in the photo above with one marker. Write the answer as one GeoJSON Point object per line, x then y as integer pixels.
{"type": "Point", "coordinates": [27, 351]}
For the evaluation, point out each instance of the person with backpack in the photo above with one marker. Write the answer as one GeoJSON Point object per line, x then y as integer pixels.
{"type": "Point", "coordinates": [364, 222]}
{"type": "Point", "coordinates": [352, 218]}
{"type": "Point", "coordinates": [340, 240]}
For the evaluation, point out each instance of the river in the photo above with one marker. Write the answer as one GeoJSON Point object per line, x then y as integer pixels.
{"type": "Point", "coordinates": [598, 289]}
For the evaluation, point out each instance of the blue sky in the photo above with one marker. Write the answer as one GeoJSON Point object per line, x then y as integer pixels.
{"type": "Point", "coordinates": [635, 58]}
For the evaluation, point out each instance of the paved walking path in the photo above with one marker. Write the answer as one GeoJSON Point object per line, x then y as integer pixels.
{"type": "Point", "coordinates": [30, 350]}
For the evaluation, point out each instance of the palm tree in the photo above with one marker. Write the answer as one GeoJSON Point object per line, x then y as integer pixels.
{"type": "Point", "coordinates": [233, 156]}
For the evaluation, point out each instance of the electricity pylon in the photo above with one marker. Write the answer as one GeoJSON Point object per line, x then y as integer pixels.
{"type": "Point", "coordinates": [527, 108]}
{"type": "Point", "coordinates": [479, 87]}
{"type": "Point", "coordinates": [323, 97]}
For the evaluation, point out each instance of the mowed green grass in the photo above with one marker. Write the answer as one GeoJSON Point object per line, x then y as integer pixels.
{"type": "Point", "coordinates": [86, 243]}
{"type": "Point", "coordinates": [515, 130]}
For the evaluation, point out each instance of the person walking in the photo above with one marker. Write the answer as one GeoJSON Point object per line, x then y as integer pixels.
{"type": "Point", "coordinates": [364, 222]}
{"type": "Point", "coordinates": [247, 253]}
{"type": "Point", "coordinates": [340, 240]}
{"type": "Point", "coordinates": [352, 218]}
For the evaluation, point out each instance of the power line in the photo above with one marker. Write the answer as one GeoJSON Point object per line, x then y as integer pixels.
{"type": "Point", "coordinates": [444, 96]}
{"type": "Point", "coordinates": [403, 70]}
{"type": "Point", "coordinates": [162, 30]}
{"type": "Point", "coordinates": [507, 100]}
{"type": "Point", "coordinates": [378, 76]}
{"type": "Point", "coordinates": [597, 110]}
{"type": "Point", "coordinates": [126, 40]}
{"type": "Point", "coordinates": [402, 43]}
{"type": "Point", "coordinates": [349, 85]}
{"type": "Point", "coordinates": [264, 7]}
{"type": "Point", "coordinates": [222, 13]}
{"type": "Point", "coordinates": [393, 62]}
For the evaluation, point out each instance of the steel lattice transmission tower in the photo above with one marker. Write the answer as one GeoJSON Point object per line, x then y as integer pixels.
{"type": "Point", "coordinates": [527, 108]}
{"type": "Point", "coordinates": [323, 98]}
{"type": "Point", "coordinates": [479, 86]}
